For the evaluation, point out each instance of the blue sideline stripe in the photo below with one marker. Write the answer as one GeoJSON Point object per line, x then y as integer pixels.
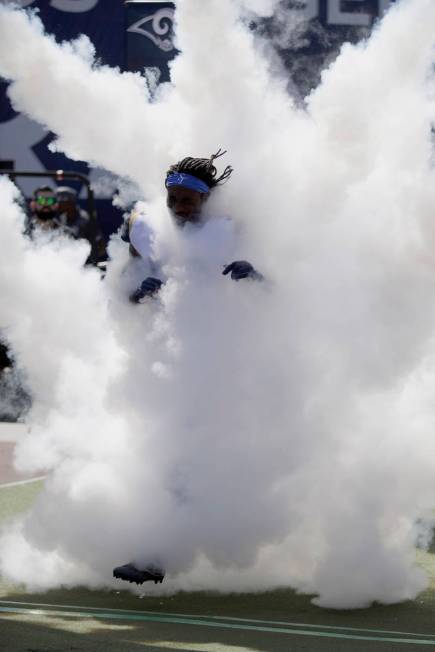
{"type": "Point", "coordinates": [206, 622]}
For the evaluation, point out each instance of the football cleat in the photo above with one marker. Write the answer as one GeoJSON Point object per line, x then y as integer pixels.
{"type": "Point", "coordinates": [130, 573]}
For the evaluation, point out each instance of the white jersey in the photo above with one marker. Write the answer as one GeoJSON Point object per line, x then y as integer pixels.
{"type": "Point", "coordinates": [207, 246]}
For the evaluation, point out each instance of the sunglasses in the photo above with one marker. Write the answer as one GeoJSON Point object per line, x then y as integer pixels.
{"type": "Point", "coordinates": [46, 201]}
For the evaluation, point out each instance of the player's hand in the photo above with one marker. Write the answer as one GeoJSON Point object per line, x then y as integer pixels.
{"type": "Point", "coordinates": [241, 269]}
{"type": "Point", "coordinates": [148, 288]}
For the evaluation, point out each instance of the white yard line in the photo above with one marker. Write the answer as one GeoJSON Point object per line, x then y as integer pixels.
{"type": "Point", "coordinates": [6, 485]}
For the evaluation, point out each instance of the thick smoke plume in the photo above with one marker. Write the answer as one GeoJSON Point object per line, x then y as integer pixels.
{"type": "Point", "coordinates": [244, 435]}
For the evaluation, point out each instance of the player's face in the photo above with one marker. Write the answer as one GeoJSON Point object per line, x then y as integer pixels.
{"type": "Point", "coordinates": [184, 204]}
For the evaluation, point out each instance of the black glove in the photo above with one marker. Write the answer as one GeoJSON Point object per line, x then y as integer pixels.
{"type": "Point", "coordinates": [148, 288]}
{"type": "Point", "coordinates": [242, 269]}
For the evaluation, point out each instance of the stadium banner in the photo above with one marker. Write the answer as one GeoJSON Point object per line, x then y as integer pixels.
{"type": "Point", "coordinates": [138, 35]}
{"type": "Point", "coordinates": [150, 42]}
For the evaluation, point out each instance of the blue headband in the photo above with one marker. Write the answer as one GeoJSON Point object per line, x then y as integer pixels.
{"type": "Point", "coordinates": [186, 181]}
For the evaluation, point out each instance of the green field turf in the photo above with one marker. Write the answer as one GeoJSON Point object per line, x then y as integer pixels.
{"type": "Point", "coordinates": [280, 620]}
{"type": "Point", "coordinates": [18, 498]}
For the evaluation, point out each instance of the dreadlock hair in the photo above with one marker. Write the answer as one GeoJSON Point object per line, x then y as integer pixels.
{"type": "Point", "coordinates": [203, 169]}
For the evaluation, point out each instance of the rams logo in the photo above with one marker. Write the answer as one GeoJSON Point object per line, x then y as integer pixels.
{"type": "Point", "coordinates": [161, 28]}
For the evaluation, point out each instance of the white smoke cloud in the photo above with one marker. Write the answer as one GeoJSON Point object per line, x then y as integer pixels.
{"type": "Point", "coordinates": [244, 435]}
{"type": "Point", "coordinates": [263, 8]}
